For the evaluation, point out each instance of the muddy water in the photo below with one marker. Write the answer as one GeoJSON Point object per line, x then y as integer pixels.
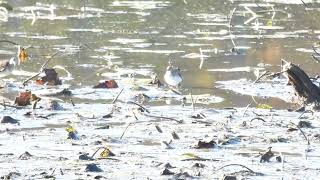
{"type": "Point", "coordinates": [140, 34]}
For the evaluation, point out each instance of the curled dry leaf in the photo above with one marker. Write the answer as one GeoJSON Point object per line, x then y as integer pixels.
{"type": "Point", "coordinates": [23, 99]}
{"type": "Point", "coordinates": [107, 84]}
{"type": "Point", "coordinates": [51, 78]}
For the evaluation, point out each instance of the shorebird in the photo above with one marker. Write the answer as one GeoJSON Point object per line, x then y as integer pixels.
{"type": "Point", "coordinates": [172, 76]}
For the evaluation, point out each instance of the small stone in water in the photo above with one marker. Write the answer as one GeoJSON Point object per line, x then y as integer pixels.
{"type": "Point", "coordinates": [93, 168]}
{"type": "Point", "coordinates": [8, 119]}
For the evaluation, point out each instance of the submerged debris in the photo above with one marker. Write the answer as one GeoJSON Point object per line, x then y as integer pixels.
{"type": "Point", "coordinates": [304, 124]}
{"type": "Point", "coordinates": [175, 135]}
{"type": "Point", "coordinates": [266, 156]}
{"type": "Point", "coordinates": [25, 156]}
{"type": "Point", "coordinates": [85, 157]}
{"type": "Point", "coordinates": [167, 172]}
{"type": "Point", "coordinates": [9, 119]}
{"type": "Point", "coordinates": [11, 175]}
{"type": "Point", "coordinates": [54, 105]}
{"type": "Point", "coordinates": [228, 177]}
{"type": "Point", "coordinates": [51, 78]}
{"type": "Point", "coordinates": [93, 168]}
{"type": "Point", "coordinates": [205, 145]}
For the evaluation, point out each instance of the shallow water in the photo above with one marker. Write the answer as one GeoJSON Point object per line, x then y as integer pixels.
{"type": "Point", "coordinates": [146, 34]}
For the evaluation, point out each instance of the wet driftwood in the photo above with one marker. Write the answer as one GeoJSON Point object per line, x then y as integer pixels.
{"type": "Point", "coordinates": [306, 91]}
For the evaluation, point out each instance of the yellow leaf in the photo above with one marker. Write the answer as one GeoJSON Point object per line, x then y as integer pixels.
{"type": "Point", "coordinates": [106, 153]}
{"type": "Point", "coordinates": [270, 22]}
{"type": "Point", "coordinates": [70, 129]}
{"type": "Point", "coordinates": [192, 155]}
{"type": "Point", "coordinates": [264, 106]}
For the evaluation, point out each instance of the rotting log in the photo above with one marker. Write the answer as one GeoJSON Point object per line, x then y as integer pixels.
{"type": "Point", "coordinates": [305, 90]}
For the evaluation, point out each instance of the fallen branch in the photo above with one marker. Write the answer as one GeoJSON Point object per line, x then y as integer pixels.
{"type": "Point", "coordinates": [307, 92]}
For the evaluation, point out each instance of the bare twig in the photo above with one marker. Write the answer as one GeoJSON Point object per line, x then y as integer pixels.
{"type": "Point", "coordinates": [201, 59]}
{"type": "Point", "coordinates": [145, 109]}
{"type": "Point", "coordinates": [7, 41]}
{"type": "Point", "coordinates": [315, 58]}
{"type": "Point", "coordinates": [115, 99]}
{"type": "Point", "coordinates": [134, 115]}
{"type": "Point", "coordinates": [230, 34]}
{"type": "Point", "coordinates": [247, 108]}
{"type": "Point", "coordinates": [258, 118]}
{"type": "Point", "coordinates": [250, 170]}
{"type": "Point", "coordinates": [304, 3]}
{"type": "Point", "coordinates": [96, 152]}
{"type": "Point", "coordinates": [162, 117]}
{"type": "Point", "coordinates": [4, 104]}
{"type": "Point", "coordinates": [315, 51]}
{"type": "Point", "coordinates": [261, 76]}
{"type": "Point", "coordinates": [125, 130]}
{"type": "Point", "coordinates": [199, 159]}
{"type": "Point", "coordinates": [192, 102]}
{"type": "Point", "coordinates": [304, 135]}
{"type": "Point", "coordinates": [72, 102]}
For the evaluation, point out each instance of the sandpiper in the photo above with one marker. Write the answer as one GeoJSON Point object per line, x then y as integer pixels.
{"type": "Point", "coordinates": [172, 76]}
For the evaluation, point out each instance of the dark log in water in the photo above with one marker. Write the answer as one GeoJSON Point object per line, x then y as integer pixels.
{"type": "Point", "coordinates": [306, 91]}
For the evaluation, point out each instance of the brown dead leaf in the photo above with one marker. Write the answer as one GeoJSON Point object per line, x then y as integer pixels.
{"type": "Point", "coordinates": [23, 99]}
{"type": "Point", "coordinates": [107, 84]}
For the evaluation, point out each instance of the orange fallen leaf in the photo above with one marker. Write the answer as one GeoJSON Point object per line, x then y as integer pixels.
{"type": "Point", "coordinates": [23, 99]}
{"type": "Point", "coordinates": [23, 55]}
